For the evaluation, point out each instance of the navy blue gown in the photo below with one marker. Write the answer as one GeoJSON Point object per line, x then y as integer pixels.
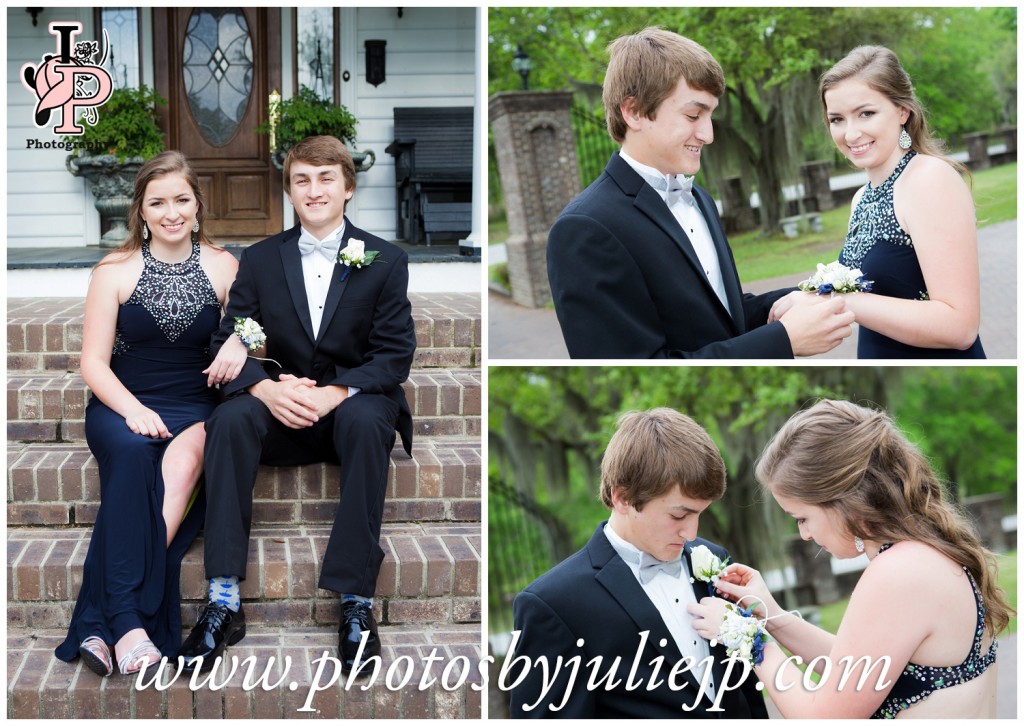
{"type": "Point", "coordinates": [131, 578]}
{"type": "Point", "coordinates": [884, 252]}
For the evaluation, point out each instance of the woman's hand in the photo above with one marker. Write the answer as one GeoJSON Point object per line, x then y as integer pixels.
{"type": "Point", "coordinates": [707, 616]}
{"type": "Point", "coordinates": [228, 363]}
{"type": "Point", "coordinates": [147, 422]}
{"type": "Point", "coordinates": [745, 586]}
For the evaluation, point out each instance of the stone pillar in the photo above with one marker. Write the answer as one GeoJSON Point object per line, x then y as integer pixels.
{"type": "Point", "coordinates": [817, 192]}
{"type": "Point", "coordinates": [813, 567]}
{"type": "Point", "coordinates": [987, 512]}
{"type": "Point", "coordinates": [977, 151]}
{"type": "Point", "coordinates": [737, 214]}
{"type": "Point", "coordinates": [536, 152]}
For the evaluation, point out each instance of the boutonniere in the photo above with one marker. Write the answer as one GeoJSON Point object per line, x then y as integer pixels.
{"type": "Point", "coordinates": [354, 255]}
{"type": "Point", "coordinates": [835, 277]}
{"type": "Point", "coordinates": [707, 567]}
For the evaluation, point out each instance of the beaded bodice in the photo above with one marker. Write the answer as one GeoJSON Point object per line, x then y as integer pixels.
{"type": "Point", "coordinates": [917, 682]}
{"type": "Point", "coordinates": [174, 293]}
{"type": "Point", "coordinates": [874, 219]}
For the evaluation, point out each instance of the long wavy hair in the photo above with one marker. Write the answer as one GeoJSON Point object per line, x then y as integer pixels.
{"type": "Point", "coordinates": [854, 462]}
{"type": "Point", "coordinates": [880, 69]}
{"type": "Point", "coordinates": [161, 165]}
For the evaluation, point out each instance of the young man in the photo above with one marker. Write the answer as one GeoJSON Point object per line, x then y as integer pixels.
{"type": "Point", "coordinates": [343, 337]}
{"type": "Point", "coordinates": [638, 263]}
{"type": "Point", "coordinates": [622, 599]}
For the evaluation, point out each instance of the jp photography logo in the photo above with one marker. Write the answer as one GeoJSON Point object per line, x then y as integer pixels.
{"type": "Point", "coordinates": [72, 79]}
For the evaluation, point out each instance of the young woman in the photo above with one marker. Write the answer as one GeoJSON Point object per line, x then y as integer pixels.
{"type": "Point", "coordinates": [149, 313]}
{"type": "Point", "coordinates": [913, 230]}
{"type": "Point", "coordinates": [927, 605]}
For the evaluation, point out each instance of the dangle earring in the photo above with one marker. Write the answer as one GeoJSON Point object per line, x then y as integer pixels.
{"type": "Point", "coordinates": [904, 140]}
{"type": "Point", "coordinates": [858, 543]}
{"type": "Point", "coordinates": [145, 231]}
{"type": "Point", "coordinates": [195, 229]}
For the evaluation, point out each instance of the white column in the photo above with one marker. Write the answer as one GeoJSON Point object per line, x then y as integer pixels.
{"type": "Point", "coordinates": [473, 243]}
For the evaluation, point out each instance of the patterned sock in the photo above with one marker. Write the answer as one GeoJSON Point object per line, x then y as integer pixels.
{"type": "Point", "coordinates": [357, 598]}
{"type": "Point", "coordinates": [225, 590]}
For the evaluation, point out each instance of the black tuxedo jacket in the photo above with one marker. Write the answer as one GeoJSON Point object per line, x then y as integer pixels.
{"type": "Point", "coordinates": [595, 596]}
{"type": "Point", "coordinates": [366, 337]}
{"type": "Point", "coordinates": [627, 282]}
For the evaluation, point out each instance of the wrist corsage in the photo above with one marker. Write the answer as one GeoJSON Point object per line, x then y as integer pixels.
{"type": "Point", "coordinates": [835, 277]}
{"type": "Point", "coordinates": [742, 634]}
{"type": "Point", "coordinates": [250, 333]}
{"type": "Point", "coordinates": [252, 336]}
{"type": "Point", "coordinates": [355, 255]}
{"type": "Point", "coordinates": [706, 566]}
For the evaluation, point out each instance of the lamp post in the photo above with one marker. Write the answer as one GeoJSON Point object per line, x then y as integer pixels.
{"type": "Point", "coordinates": [522, 65]}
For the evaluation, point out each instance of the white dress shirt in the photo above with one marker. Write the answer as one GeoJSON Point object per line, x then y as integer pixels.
{"type": "Point", "coordinates": [690, 218]}
{"type": "Point", "coordinates": [316, 275]}
{"type": "Point", "coordinates": [670, 596]}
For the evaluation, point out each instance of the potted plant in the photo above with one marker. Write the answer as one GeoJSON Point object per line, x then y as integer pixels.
{"type": "Point", "coordinates": [113, 150]}
{"type": "Point", "coordinates": [306, 114]}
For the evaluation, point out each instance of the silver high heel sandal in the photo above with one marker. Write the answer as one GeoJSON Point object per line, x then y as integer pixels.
{"type": "Point", "coordinates": [140, 652]}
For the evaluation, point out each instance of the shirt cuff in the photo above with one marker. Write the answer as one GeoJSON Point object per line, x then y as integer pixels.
{"type": "Point", "coordinates": [352, 390]}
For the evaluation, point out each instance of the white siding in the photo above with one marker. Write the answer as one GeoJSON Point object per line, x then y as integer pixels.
{"type": "Point", "coordinates": [46, 206]}
{"type": "Point", "coordinates": [429, 60]}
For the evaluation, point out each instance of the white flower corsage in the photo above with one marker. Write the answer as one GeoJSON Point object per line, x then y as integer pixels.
{"type": "Point", "coordinates": [742, 634]}
{"type": "Point", "coordinates": [707, 566]}
{"type": "Point", "coordinates": [250, 333]}
{"type": "Point", "coordinates": [252, 336]}
{"type": "Point", "coordinates": [835, 277]}
{"type": "Point", "coordinates": [355, 255]}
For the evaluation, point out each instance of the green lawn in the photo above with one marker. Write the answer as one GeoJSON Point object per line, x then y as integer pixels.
{"type": "Point", "coordinates": [832, 614]}
{"type": "Point", "coordinates": [760, 258]}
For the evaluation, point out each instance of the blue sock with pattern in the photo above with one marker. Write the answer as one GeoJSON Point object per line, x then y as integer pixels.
{"type": "Point", "coordinates": [357, 598]}
{"type": "Point", "coordinates": [225, 590]}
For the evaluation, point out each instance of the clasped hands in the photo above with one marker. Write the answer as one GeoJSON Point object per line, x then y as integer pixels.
{"type": "Point", "coordinates": [298, 402]}
{"type": "Point", "coordinates": [737, 583]}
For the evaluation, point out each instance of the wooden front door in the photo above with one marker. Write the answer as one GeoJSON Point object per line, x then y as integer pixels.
{"type": "Point", "coordinates": [216, 67]}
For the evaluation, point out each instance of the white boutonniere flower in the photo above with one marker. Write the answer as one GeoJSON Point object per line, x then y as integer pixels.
{"type": "Point", "coordinates": [706, 565]}
{"type": "Point", "coordinates": [355, 255]}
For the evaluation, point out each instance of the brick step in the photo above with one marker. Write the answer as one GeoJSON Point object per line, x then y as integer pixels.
{"type": "Point", "coordinates": [431, 574]}
{"type": "Point", "coordinates": [46, 333]}
{"type": "Point", "coordinates": [50, 405]}
{"type": "Point", "coordinates": [58, 484]}
{"type": "Point", "coordinates": [40, 686]}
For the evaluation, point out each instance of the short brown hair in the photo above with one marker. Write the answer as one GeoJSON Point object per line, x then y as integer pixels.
{"type": "Point", "coordinates": [647, 67]}
{"type": "Point", "coordinates": [653, 451]}
{"type": "Point", "coordinates": [321, 151]}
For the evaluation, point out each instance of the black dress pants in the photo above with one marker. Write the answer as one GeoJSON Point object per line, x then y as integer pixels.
{"type": "Point", "coordinates": [242, 433]}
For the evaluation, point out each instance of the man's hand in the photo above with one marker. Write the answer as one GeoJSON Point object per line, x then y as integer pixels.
{"type": "Point", "coordinates": [817, 327]}
{"type": "Point", "coordinates": [289, 400]}
{"type": "Point", "coordinates": [784, 303]}
{"type": "Point", "coordinates": [327, 398]}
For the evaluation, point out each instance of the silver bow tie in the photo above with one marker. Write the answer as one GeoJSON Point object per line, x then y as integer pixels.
{"type": "Point", "coordinates": [651, 566]}
{"type": "Point", "coordinates": [676, 187]}
{"type": "Point", "coordinates": [328, 248]}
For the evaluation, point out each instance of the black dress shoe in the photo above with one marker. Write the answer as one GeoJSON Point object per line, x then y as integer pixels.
{"type": "Point", "coordinates": [218, 627]}
{"type": "Point", "coordinates": [356, 619]}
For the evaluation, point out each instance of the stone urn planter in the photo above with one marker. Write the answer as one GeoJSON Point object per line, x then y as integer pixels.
{"type": "Point", "coordinates": [111, 183]}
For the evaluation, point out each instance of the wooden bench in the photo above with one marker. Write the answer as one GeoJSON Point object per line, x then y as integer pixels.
{"type": "Point", "coordinates": [446, 217]}
{"type": "Point", "coordinates": [433, 151]}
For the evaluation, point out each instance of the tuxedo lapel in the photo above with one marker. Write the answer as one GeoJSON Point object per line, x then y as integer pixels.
{"type": "Point", "coordinates": [615, 576]}
{"type": "Point", "coordinates": [730, 276]}
{"type": "Point", "coordinates": [649, 203]}
{"type": "Point", "coordinates": [337, 287]}
{"type": "Point", "coordinates": [291, 262]}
